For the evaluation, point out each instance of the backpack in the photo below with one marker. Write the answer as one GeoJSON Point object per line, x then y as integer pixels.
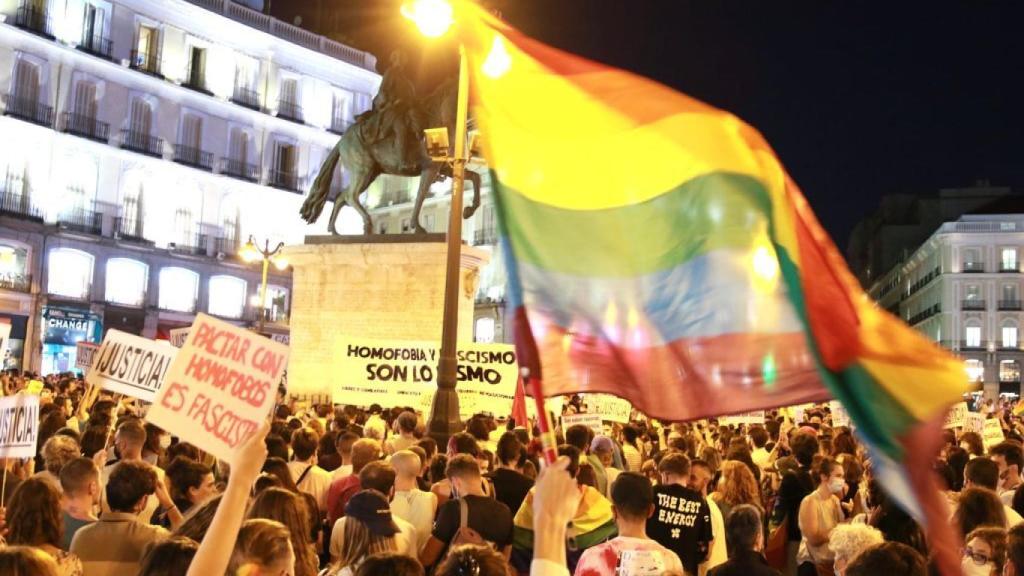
{"type": "Point", "coordinates": [465, 534]}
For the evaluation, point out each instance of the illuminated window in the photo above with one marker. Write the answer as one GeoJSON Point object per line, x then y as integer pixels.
{"type": "Point", "coordinates": [975, 370]}
{"type": "Point", "coordinates": [1009, 371]}
{"type": "Point", "coordinates": [485, 330]}
{"type": "Point", "coordinates": [70, 273]}
{"type": "Point", "coordinates": [179, 289]}
{"type": "Point", "coordinates": [972, 336]}
{"type": "Point", "coordinates": [126, 281]}
{"type": "Point", "coordinates": [1009, 259]}
{"type": "Point", "coordinates": [227, 296]}
{"type": "Point", "coordinates": [1009, 336]}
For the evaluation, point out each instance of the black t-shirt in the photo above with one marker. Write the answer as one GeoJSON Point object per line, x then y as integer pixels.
{"type": "Point", "coordinates": [795, 485]}
{"type": "Point", "coordinates": [510, 487]}
{"type": "Point", "coordinates": [682, 523]}
{"type": "Point", "coordinates": [490, 518]}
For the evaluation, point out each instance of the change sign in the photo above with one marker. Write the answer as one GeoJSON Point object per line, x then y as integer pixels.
{"type": "Point", "coordinates": [131, 365]}
{"type": "Point", "coordinates": [19, 426]}
{"type": "Point", "coordinates": [221, 385]}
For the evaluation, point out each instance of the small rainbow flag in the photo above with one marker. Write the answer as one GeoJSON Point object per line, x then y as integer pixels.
{"type": "Point", "coordinates": [657, 250]}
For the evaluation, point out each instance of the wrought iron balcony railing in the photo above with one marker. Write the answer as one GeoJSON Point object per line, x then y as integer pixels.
{"type": "Point", "coordinates": [85, 126]}
{"type": "Point", "coordinates": [29, 110]}
{"type": "Point", "coordinates": [193, 157]}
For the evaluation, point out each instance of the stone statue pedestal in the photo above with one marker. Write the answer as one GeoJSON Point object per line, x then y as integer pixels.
{"type": "Point", "coordinates": [381, 286]}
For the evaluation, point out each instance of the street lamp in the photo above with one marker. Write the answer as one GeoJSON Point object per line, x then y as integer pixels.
{"type": "Point", "coordinates": [253, 253]}
{"type": "Point", "coordinates": [434, 18]}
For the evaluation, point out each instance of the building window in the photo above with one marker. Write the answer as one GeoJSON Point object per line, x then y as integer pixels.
{"type": "Point", "coordinates": [13, 266]}
{"type": "Point", "coordinates": [227, 296]}
{"type": "Point", "coordinates": [1009, 336]}
{"type": "Point", "coordinates": [1008, 260]}
{"type": "Point", "coordinates": [485, 330]}
{"type": "Point", "coordinates": [277, 304]}
{"type": "Point", "coordinates": [70, 273]}
{"type": "Point", "coordinates": [179, 289]}
{"type": "Point", "coordinates": [972, 336]}
{"type": "Point", "coordinates": [975, 370]}
{"type": "Point", "coordinates": [126, 282]}
{"type": "Point", "coordinates": [973, 292]}
{"type": "Point", "coordinates": [1009, 371]}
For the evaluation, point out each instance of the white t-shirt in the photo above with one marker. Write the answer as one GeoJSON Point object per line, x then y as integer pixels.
{"type": "Point", "coordinates": [760, 456]}
{"type": "Point", "coordinates": [406, 543]}
{"type": "Point", "coordinates": [341, 472]}
{"type": "Point", "coordinates": [315, 483]}
{"type": "Point", "coordinates": [417, 508]}
{"type": "Point", "coordinates": [718, 553]}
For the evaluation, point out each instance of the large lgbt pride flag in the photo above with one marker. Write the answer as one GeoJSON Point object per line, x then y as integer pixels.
{"type": "Point", "coordinates": [657, 250]}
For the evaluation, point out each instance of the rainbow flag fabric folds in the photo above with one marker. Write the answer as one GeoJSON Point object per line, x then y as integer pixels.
{"type": "Point", "coordinates": [657, 250]}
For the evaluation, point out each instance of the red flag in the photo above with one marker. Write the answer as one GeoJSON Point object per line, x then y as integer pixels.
{"type": "Point", "coordinates": [519, 405]}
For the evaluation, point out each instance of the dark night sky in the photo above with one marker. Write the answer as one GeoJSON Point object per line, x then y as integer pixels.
{"type": "Point", "coordinates": [859, 99]}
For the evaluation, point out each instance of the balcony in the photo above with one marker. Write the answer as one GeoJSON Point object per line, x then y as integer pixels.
{"type": "Point", "coordinates": [1008, 268]}
{"type": "Point", "coordinates": [339, 125]}
{"type": "Point", "coordinates": [130, 230]}
{"type": "Point", "coordinates": [15, 199]}
{"type": "Point", "coordinates": [141, 143]}
{"type": "Point", "coordinates": [226, 246]}
{"type": "Point", "coordinates": [978, 346]}
{"type": "Point", "coordinates": [922, 281]}
{"type": "Point", "coordinates": [973, 267]}
{"type": "Point", "coordinates": [973, 304]}
{"type": "Point", "coordinates": [34, 19]}
{"type": "Point", "coordinates": [289, 111]}
{"type": "Point", "coordinates": [485, 237]}
{"type": "Point", "coordinates": [29, 110]}
{"type": "Point", "coordinates": [924, 315]}
{"type": "Point", "coordinates": [284, 180]}
{"type": "Point", "coordinates": [270, 316]}
{"type": "Point", "coordinates": [1009, 305]}
{"type": "Point", "coordinates": [85, 126]}
{"type": "Point", "coordinates": [97, 46]}
{"type": "Point", "coordinates": [193, 157]}
{"type": "Point", "coordinates": [195, 78]}
{"type": "Point", "coordinates": [248, 98]}
{"type": "Point", "coordinates": [81, 220]}
{"type": "Point", "coordinates": [16, 282]}
{"type": "Point", "coordinates": [195, 245]}
{"type": "Point", "coordinates": [146, 63]}
{"type": "Point", "coordinates": [239, 169]}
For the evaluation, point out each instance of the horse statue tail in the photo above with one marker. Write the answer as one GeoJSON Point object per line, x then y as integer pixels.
{"type": "Point", "coordinates": [313, 206]}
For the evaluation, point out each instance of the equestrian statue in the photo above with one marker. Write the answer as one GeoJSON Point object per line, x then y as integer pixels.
{"type": "Point", "coordinates": [388, 139]}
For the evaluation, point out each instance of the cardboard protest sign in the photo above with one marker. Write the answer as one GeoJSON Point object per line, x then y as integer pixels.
{"type": "Point", "coordinates": [592, 421]}
{"type": "Point", "coordinates": [756, 417]}
{"type": "Point", "coordinates": [992, 432]}
{"type": "Point", "coordinates": [799, 411]}
{"type": "Point", "coordinates": [974, 422]}
{"type": "Point", "coordinates": [610, 407]}
{"type": "Point", "coordinates": [219, 388]}
{"type": "Point", "coordinates": [19, 426]}
{"type": "Point", "coordinates": [840, 417]}
{"type": "Point", "coordinates": [178, 336]}
{"type": "Point", "coordinates": [956, 415]}
{"type": "Point", "coordinates": [84, 354]}
{"type": "Point", "coordinates": [130, 365]}
{"type": "Point", "coordinates": [404, 373]}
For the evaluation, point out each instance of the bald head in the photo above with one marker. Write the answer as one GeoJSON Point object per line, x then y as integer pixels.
{"type": "Point", "coordinates": [406, 463]}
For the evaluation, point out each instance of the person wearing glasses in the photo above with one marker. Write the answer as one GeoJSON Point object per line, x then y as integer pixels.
{"type": "Point", "coordinates": [985, 552]}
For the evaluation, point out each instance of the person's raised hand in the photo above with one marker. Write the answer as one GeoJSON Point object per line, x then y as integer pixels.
{"type": "Point", "coordinates": [556, 495]}
{"type": "Point", "coordinates": [251, 455]}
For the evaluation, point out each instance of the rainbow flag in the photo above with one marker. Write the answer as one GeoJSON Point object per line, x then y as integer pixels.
{"type": "Point", "coordinates": [657, 250]}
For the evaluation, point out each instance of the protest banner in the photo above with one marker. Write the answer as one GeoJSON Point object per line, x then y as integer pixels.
{"type": "Point", "coordinates": [799, 411]}
{"type": "Point", "coordinates": [974, 422]}
{"type": "Point", "coordinates": [19, 426]}
{"type": "Point", "coordinates": [956, 415]}
{"type": "Point", "coordinates": [992, 432]}
{"type": "Point", "coordinates": [756, 417]}
{"type": "Point", "coordinates": [609, 406]}
{"type": "Point", "coordinates": [220, 387]}
{"type": "Point", "coordinates": [592, 421]}
{"type": "Point", "coordinates": [177, 337]}
{"type": "Point", "coordinates": [130, 365]}
{"type": "Point", "coordinates": [840, 417]}
{"type": "Point", "coordinates": [403, 373]}
{"type": "Point", "coordinates": [84, 354]}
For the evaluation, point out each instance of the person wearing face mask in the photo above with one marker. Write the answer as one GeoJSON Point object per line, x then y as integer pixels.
{"type": "Point", "coordinates": [157, 443]}
{"type": "Point", "coordinates": [820, 513]}
{"type": "Point", "coordinates": [1009, 457]}
{"type": "Point", "coordinates": [80, 480]}
{"type": "Point", "coordinates": [984, 552]}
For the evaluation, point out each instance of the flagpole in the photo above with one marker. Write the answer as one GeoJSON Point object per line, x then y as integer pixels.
{"type": "Point", "coordinates": [547, 435]}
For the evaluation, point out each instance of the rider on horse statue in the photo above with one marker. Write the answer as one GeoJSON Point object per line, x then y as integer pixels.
{"type": "Point", "coordinates": [395, 114]}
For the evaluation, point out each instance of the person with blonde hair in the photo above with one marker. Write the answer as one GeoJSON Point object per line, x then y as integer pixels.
{"type": "Point", "coordinates": [26, 561]}
{"type": "Point", "coordinates": [737, 486]}
{"type": "Point", "coordinates": [262, 547]}
{"type": "Point", "coordinates": [35, 519]}
{"type": "Point", "coordinates": [368, 529]}
{"type": "Point", "coordinates": [58, 451]}
{"type": "Point", "coordinates": [848, 540]}
{"type": "Point", "coordinates": [289, 509]}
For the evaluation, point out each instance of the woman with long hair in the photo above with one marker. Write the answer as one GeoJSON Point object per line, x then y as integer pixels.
{"type": "Point", "coordinates": [26, 561]}
{"type": "Point", "coordinates": [289, 509]}
{"type": "Point", "coordinates": [820, 513]}
{"type": "Point", "coordinates": [197, 521]}
{"type": "Point", "coordinates": [368, 530]}
{"type": "Point", "coordinates": [279, 469]}
{"type": "Point", "coordinates": [35, 519]}
{"type": "Point", "coordinates": [169, 557]}
{"type": "Point", "coordinates": [978, 507]}
{"type": "Point", "coordinates": [737, 486]}
{"type": "Point", "coordinates": [262, 547]}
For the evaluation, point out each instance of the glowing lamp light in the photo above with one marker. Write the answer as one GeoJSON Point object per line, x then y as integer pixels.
{"type": "Point", "coordinates": [280, 263]}
{"type": "Point", "coordinates": [8, 259]}
{"type": "Point", "coordinates": [498, 61]}
{"type": "Point", "coordinates": [249, 252]}
{"type": "Point", "coordinates": [432, 17]}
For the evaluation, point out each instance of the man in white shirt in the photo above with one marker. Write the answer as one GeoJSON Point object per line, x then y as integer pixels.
{"type": "Point", "coordinates": [700, 477]}
{"type": "Point", "coordinates": [409, 503]}
{"type": "Point", "coordinates": [309, 477]}
{"type": "Point", "coordinates": [375, 427]}
{"type": "Point", "coordinates": [1009, 457]}
{"type": "Point", "coordinates": [760, 456]}
{"type": "Point", "coordinates": [344, 444]}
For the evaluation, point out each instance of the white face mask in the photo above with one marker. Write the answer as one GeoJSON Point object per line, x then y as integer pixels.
{"type": "Point", "coordinates": [836, 485]}
{"type": "Point", "coordinates": [165, 441]}
{"type": "Point", "coordinates": [969, 568]}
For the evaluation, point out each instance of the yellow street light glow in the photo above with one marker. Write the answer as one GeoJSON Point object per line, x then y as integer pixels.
{"type": "Point", "coordinates": [249, 252]}
{"type": "Point", "coordinates": [280, 263]}
{"type": "Point", "coordinates": [498, 61]}
{"type": "Point", "coordinates": [432, 17]}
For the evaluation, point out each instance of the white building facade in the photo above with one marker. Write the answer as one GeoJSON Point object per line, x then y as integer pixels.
{"type": "Point", "coordinates": [962, 289]}
{"type": "Point", "coordinates": [141, 143]}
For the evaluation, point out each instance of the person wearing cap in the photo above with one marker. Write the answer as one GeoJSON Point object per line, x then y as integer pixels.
{"type": "Point", "coordinates": [602, 449]}
{"type": "Point", "coordinates": [368, 529]}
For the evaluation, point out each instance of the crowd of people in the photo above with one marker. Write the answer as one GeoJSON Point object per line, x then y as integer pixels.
{"type": "Point", "coordinates": [360, 491]}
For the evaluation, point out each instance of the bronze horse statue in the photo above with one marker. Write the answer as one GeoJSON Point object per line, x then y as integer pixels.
{"type": "Point", "coordinates": [365, 160]}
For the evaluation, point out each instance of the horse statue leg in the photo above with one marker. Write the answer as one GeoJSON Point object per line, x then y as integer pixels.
{"type": "Point", "coordinates": [357, 188]}
{"type": "Point", "coordinates": [427, 177]}
{"type": "Point", "coordinates": [474, 178]}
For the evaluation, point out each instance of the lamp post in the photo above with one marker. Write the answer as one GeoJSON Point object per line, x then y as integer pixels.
{"type": "Point", "coordinates": [251, 253]}
{"type": "Point", "coordinates": [434, 18]}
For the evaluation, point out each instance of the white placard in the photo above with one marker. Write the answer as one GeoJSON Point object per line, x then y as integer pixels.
{"type": "Point", "coordinates": [755, 417]}
{"type": "Point", "coordinates": [840, 417]}
{"type": "Point", "coordinates": [19, 426]}
{"type": "Point", "coordinates": [177, 336]}
{"type": "Point", "coordinates": [85, 352]}
{"type": "Point", "coordinates": [592, 421]}
{"type": "Point", "coordinates": [799, 411]}
{"type": "Point", "coordinates": [974, 422]}
{"type": "Point", "coordinates": [222, 384]}
{"type": "Point", "coordinates": [992, 433]}
{"type": "Point", "coordinates": [956, 415]}
{"type": "Point", "coordinates": [609, 406]}
{"type": "Point", "coordinates": [403, 373]}
{"type": "Point", "coordinates": [130, 365]}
